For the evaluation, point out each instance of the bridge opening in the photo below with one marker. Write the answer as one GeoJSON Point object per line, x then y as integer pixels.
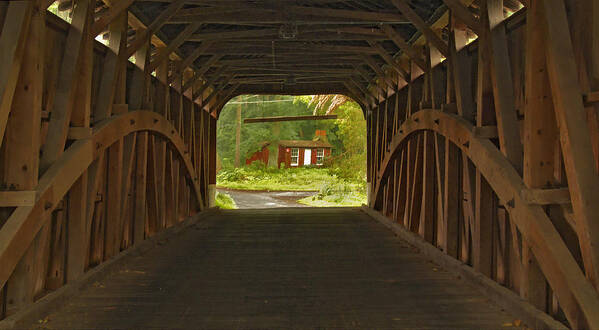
{"type": "Point", "coordinates": [291, 151]}
{"type": "Point", "coordinates": [483, 146]}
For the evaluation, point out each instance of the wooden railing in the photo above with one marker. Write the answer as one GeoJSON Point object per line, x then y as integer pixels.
{"type": "Point", "coordinates": [97, 154]}
{"type": "Point", "coordinates": [491, 156]}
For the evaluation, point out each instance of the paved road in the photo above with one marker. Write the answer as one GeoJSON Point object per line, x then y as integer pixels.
{"type": "Point", "coordinates": [266, 199]}
{"type": "Point", "coordinates": [281, 269]}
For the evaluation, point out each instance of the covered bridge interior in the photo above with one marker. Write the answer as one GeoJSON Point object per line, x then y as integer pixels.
{"type": "Point", "coordinates": [483, 132]}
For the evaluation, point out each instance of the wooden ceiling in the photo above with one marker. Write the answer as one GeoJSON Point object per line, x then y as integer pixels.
{"type": "Point", "coordinates": [297, 46]}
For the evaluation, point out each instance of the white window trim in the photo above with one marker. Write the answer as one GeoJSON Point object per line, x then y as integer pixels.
{"type": "Point", "coordinates": [320, 156]}
{"type": "Point", "coordinates": [296, 157]}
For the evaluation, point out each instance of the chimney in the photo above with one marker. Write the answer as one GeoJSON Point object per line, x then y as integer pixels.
{"type": "Point", "coordinates": [320, 135]}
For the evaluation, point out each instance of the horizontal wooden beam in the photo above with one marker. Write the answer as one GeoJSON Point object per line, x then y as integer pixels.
{"type": "Point", "coordinates": [287, 118]}
{"type": "Point", "coordinates": [590, 98]}
{"type": "Point", "coordinates": [253, 16]}
{"type": "Point", "coordinates": [17, 198]}
{"type": "Point", "coordinates": [547, 196]}
{"type": "Point", "coordinates": [486, 132]}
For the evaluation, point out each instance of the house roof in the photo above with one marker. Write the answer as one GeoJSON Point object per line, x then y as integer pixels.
{"type": "Point", "coordinates": [305, 144]}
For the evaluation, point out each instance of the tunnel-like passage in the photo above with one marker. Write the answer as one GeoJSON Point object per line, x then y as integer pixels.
{"type": "Point", "coordinates": [481, 115]}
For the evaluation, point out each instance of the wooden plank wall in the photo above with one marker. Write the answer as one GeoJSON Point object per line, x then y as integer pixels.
{"type": "Point", "coordinates": [522, 87]}
{"type": "Point", "coordinates": [58, 87]}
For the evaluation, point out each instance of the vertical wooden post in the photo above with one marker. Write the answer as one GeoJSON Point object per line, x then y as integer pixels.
{"type": "Point", "coordinates": [93, 209]}
{"type": "Point", "coordinates": [77, 221]}
{"type": "Point", "coordinates": [15, 31]}
{"type": "Point", "coordinates": [540, 137]}
{"type": "Point", "coordinates": [114, 174]}
{"type": "Point", "coordinates": [451, 198]}
{"type": "Point", "coordinates": [162, 103]}
{"type": "Point", "coordinates": [503, 86]}
{"type": "Point", "coordinates": [152, 189]}
{"type": "Point", "coordinates": [429, 196]}
{"type": "Point", "coordinates": [22, 143]}
{"type": "Point", "coordinates": [127, 174]}
{"type": "Point", "coordinates": [401, 188]}
{"type": "Point", "coordinates": [139, 82]}
{"type": "Point", "coordinates": [211, 162]}
{"type": "Point", "coordinates": [484, 218]}
{"type": "Point", "coordinates": [484, 206]}
{"type": "Point", "coordinates": [460, 63]}
{"type": "Point", "coordinates": [141, 168]}
{"type": "Point", "coordinates": [416, 184]}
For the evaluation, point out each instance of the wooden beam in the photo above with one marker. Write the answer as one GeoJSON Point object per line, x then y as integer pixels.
{"type": "Point", "coordinates": [431, 36]}
{"type": "Point", "coordinates": [379, 73]}
{"type": "Point", "coordinates": [287, 118]}
{"type": "Point", "coordinates": [64, 100]}
{"type": "Point", "coordinates": [461, 65]}
{"type": "Point", "coordinates": [12, 43]}
{"type": "Point", "coordinates": [540, 136]}
{"type": "Point", "coordinates": [164, 15]}
{"type": "Point", "coordinates": [574, 135]}
{"type": "Point", "coordinates": [556, 196]}
{"type": "Point", "coordinates": [348, 13]}
{"type": "Point", "coordinates": [140, 82]}
{"type": "Point", "coordinates": [261, 16]}
{"type": "Point", "coordinates": [163, 54]}
{"type": "Point", "coordinates": [591, 98]}
{"type": "Point", "coordinates": [464, 15]}
{"type": "Point", "coordinates": [216, 76]}
{"type": "Point", "coordinates": [117, 7]}
{"type": "Point", "coordinates": [216, 90]}
{"type": "Point", "coordinates": [503, 85]}
{"type": "Point", "coordinates": [389, 60]}
{"type": "Point", "coordinates": [17, 198]}
{"type": "Point", "coordinates": [410, 51]}
{"type": "Point", "coordinates": [188, 61]}
{"type": "Point", "coordinates": [221, 103]}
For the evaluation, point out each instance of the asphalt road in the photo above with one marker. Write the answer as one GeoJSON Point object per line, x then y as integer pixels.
{"type": "Point", "coordinates": [266, 199]}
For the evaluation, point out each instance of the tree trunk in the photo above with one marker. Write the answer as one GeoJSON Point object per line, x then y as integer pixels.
{"type": "Point", "coordinates": [238, 136]}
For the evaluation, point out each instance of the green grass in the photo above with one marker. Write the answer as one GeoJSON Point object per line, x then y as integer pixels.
{"type": "Point", "coordinates": [332, 189]}
{"type": "Point", "coordinates": [224, 201]}
{"type": "Point", "coordinates": [336, 194]}
{"type": "Point", "coordinates": [274, 179]}
{"type": "Point", "coordinates": [353, 199]}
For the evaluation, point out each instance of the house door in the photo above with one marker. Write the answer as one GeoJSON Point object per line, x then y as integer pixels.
{"type": "Point", "coordinates": [307, 156]}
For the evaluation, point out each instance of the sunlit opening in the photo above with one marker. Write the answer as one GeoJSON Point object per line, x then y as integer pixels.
{"type": "Point", "coordinates": [269, 158]}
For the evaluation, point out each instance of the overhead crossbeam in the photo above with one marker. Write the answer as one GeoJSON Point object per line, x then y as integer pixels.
{"type": "Point", "coordinates": [287, 118]}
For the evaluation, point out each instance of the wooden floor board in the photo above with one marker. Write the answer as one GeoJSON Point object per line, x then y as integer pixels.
{"type": "Point", "coordinates": [281, 268]}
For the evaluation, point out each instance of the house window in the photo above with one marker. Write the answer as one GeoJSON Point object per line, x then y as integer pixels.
{"type": "Point", "coordinates": [294, 157]}
{"type": "Point", "coordinates": [319, 156]}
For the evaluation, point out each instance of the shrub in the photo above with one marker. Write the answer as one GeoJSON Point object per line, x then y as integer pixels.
{"type": "Point", "coordinates": [224, 201]}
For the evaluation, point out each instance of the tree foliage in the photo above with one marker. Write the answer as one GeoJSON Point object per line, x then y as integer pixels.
{"type": "Point", "coordinates": [347, 134]}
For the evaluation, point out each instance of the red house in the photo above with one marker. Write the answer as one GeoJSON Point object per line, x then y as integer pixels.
{"type": "Point", "coordinates": [296, 153]}
{"type": "Point", "coordinates": [261, 155]}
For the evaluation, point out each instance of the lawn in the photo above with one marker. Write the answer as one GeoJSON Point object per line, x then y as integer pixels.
{"type": "Point", "coordinates": [332, 189]}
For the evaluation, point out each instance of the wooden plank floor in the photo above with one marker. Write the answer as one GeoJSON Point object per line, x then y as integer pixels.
{"type": "Point", "coordinates": [281, 268]}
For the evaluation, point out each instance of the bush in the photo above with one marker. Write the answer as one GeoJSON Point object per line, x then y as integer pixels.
{"type": "Point", "coordinates": [224, 201]}
{"type": "Point", "coordinates": [256, 177]}
{"type": "Point", "coordinates": [339, 193]}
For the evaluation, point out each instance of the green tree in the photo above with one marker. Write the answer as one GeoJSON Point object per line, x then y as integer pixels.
{"type": "Point", "coordinates": [350, 132]}
{"type": "Point", "coordinates": [347, 134]}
